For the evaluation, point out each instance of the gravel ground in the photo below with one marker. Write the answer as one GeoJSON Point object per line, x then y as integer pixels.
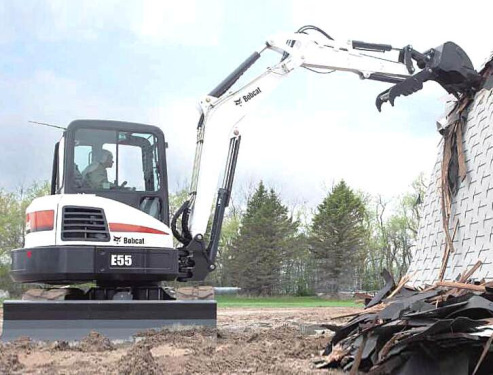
{"type": "Point", "coordinates": [247, 340]}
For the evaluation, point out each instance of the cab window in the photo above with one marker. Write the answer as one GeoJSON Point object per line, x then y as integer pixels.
{"type": "Point", "coordinates": [109, 159]}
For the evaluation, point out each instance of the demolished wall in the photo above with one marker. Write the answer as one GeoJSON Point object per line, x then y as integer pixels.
{"type": "Point", "coordinates": [471, 204]}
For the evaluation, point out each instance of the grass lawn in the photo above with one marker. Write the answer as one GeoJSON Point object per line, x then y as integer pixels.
{"type": "Point", "coordinates": [235, 301]}
{"type": "Point", "coordinates": [240, 301]}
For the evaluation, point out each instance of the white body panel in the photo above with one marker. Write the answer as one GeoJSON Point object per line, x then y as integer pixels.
{"type": "Point", "coordinates": [45, 237]}
{"type": "Point", "coordinates": [118, 215]}
{"type": "Point", "coordinates": [222, 117]}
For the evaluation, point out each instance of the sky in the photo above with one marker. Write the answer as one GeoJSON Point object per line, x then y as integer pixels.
{"type": "Point", "coordinates": [152, 61]}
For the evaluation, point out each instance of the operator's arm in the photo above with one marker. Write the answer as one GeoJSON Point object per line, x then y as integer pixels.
{"type": "Point", "coordinates": [96, 177]}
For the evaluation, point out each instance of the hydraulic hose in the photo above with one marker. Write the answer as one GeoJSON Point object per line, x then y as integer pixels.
{"type": "Point", "coordinates": [179, 236]}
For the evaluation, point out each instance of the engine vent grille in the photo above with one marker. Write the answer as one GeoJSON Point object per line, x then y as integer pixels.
{"type": "Point", "coordinates": [84, 224]}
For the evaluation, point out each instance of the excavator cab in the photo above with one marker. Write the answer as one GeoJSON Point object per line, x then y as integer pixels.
{"type": "Point", "coordinates": [103, 234]}
{"type": "Point", "coordinates": [122, 161]}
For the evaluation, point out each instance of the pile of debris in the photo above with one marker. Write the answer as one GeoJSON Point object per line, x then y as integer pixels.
{"type": "Point", "coordinates": [446, 328]}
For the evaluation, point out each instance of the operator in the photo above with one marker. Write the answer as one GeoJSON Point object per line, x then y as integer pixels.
{"type": "Point", "coordinates": [95, 175]}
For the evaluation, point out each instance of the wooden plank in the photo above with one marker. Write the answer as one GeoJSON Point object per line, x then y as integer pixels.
{"type": "Point", "coordinates": [453, 284]}
{"type": "Point", "coordinates": [357, 359]}
{"type": "Point", "coordinates": [401, 284]}
{"type": "Point", "coordinates": [448, 249]}
{"type": "Point", "coordinates": [469, 273]}
{"type": "Point", "coordinates": [483, 354]}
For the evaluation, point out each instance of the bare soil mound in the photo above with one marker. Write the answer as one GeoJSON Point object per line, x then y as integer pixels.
{"type": "Point", "coordinates": [59, 346]}
{"type": "Point", "coordinates": [270, 351]}
{"type": "Point", "coordinates": [137, 361]}
{"type": "Point", "coordinates": [23, 343]}
{"type": "Point", "coordinates": [188, 337]}
{"type": "Point", "coordinates": [95, 342]}
{"type": "Point", "coordinates": [9, 363]}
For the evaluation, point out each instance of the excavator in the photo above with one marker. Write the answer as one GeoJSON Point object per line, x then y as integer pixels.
{"type": "Point", "coordinates": [103, 240]}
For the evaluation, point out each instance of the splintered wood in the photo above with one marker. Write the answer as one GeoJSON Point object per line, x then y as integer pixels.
{"type": "Point", "coordinates": [452, 284]}
{"type": "Point", "coordinates": [453, 155]}
{"type": "Point", "coordinates": [405, 279]}
{"type": "Point", "coordinates": [448, 249]}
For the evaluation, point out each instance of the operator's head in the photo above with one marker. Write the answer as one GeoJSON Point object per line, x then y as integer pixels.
{"type": "Point", "coordinates": [106, 158]}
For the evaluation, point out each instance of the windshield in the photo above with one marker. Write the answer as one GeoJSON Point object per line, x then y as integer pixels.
{"type": "Point", "coordinates": [110, 159]}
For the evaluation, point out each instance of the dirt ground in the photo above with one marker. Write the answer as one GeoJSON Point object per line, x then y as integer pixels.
{"type": "Point", "coordinates": [247, 340]}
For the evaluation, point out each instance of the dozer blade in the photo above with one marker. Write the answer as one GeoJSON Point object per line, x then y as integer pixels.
{"type": "Point", "coordinates": [117, 320]}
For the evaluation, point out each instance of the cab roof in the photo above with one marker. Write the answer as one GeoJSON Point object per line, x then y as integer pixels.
{"type": "Point", "coordinates": [113, 125]}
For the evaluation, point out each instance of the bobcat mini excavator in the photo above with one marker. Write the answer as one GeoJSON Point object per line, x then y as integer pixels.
{"type": "Point", "coordinates": [107, 221]}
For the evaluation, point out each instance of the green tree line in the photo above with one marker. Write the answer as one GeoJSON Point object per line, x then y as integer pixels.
{"type": "Point", "coordinates": [267, 249]}
{"type": "Point", "coordinates": [349, 240]}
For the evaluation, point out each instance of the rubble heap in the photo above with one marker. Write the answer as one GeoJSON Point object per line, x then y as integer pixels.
{"type": "Point", "coordinates": [446, 328]}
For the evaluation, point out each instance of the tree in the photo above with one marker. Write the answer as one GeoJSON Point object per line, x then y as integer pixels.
{"type": "Point", "coordinates": [176, 199]}
{"type": "Point", "coordinates": [229, 232]}
{"type": "Point", "coordinates": [13, 214]}
{"type": "Point", "coordinates": [338, 237]}
{"type": "Point", "coordinates": [410, 204]}
{"type": "Point", "coordinates": [12, 222]}
{"type": "Point", "coordinates": [297, 274]}
{"type": "Point", "coordinates": [266, 238]}
{"type": "Point", "coordinates": [392, 235]}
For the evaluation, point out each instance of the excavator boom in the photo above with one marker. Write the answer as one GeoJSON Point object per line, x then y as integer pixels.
{"type": "Point", "coordinates": [313, 49]}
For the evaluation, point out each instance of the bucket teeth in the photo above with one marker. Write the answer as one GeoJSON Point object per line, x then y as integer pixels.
{"type": "Point", "coordinates": [407, 87]}
{"type": "Point", "coordinates": [447, 65]}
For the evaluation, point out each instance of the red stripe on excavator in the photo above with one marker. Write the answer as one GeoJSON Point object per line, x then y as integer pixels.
{"type": "Point", "coordinates": [118, 227]}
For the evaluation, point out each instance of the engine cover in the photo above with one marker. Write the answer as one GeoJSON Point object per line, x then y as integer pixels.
{"type": "Point", "coordinates": [103, 264]}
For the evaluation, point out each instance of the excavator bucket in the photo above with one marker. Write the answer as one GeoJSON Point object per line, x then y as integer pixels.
{"type": "Point", "coordinates": [447, 65]}
{"type": "Point", "coordinates": [71, 320]}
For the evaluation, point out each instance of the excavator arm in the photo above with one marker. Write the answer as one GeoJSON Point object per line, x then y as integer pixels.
{"type": "Point", "coordinates": [310, 48]}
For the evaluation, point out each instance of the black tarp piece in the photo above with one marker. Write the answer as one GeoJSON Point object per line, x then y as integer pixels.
{"type": "Point", "coordinates": [389, 285]}
{"type": "Point", "coordinates": [437, 331]}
